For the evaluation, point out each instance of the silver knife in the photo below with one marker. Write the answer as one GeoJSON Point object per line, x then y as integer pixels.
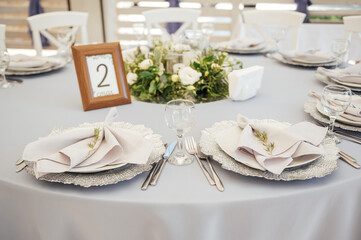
{"type": "Point", "coordinates": [166, 155]}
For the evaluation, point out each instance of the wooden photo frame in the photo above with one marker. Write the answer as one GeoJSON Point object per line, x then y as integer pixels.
{"type": "Point", "coordinates": [101, 75]}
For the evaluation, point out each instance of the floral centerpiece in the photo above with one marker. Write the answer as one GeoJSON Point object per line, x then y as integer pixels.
{"type": "Point", "coordinates": [155, 77]}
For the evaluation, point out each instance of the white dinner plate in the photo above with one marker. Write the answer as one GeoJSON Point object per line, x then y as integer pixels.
{"type": "Point", "coordinates": [228, 143]}
{"type": "Point", "coordinates": [345, 83]}
{"type": "Point", "coordinates": [328, 80]}
{"type": "Point", "coordinates": [47, 67]}
{"type": "Point", "coordinates": [339, 118]}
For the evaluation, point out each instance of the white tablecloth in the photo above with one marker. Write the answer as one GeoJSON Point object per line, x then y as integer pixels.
{"type": "Point", "coordinates": [183, 205]}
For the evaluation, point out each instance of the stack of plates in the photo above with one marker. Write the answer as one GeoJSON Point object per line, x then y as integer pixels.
{"type": "Point", "coordinates": [27, 65]}
{"type": "Point", "coordinates": [300, 168]}
{"type": "Point", "coordinates": [306, 59]}
{"type": "Point", "coordinates": [245, 46]}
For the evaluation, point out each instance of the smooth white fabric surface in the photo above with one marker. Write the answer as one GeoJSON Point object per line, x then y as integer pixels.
{"type": "Point", "coordinates": [182, 205]}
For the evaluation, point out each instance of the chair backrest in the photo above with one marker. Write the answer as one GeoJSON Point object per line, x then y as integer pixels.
{"type": "Point", "coordinates": [155, 17]}
{"type": "Point", "coordinates": [352, 26]}
{"type": "Point", "coordinates": [41, 22]}
{"type": "Point", "coordinates": [288, 19]}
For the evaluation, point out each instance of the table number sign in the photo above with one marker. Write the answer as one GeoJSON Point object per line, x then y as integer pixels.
{"type": "Point", "coordinates": [101, 75]}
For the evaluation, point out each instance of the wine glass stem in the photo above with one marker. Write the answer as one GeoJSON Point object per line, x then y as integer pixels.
{"type": "Point", "coordinates": [331, 126]}
{"type": "Point", "coordinates": [180, 143]}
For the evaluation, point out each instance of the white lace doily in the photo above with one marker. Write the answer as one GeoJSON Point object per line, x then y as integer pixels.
{"type": "Point", "coordinates": [113, 176]}
{"type": "Point", "coordinates": [317, 169]}
{"type": "Point", "coordinates": [311, 107]}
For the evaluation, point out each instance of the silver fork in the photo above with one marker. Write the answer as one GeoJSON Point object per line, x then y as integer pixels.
{"type": "Point", "coordinates": [217, 180]}
{"type": "Point", "coordinates": [193, 151]}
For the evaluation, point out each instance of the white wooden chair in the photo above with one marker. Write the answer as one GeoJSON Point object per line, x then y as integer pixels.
{"type": "Point", "coordinates": [154, 18]}
{"type": "Point", "coordinates": [352, 26]}
{"type": "Point", "coordinates": [289, 20]}
{"type": "Point", "coordinates": [41, 22]}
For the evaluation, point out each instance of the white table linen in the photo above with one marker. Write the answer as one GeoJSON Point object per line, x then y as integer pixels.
{"type": "Point", "coordinates": [182, 205]}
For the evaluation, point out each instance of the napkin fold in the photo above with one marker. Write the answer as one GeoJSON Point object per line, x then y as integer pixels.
{"type": "Point", "coordinates": [244, 83]}
{"type": "Point", "coordinates": [353, 112]}
{"type": "Point", "coordinates": [314, 57]}
{"type": "Point", "coordinates": [350, 74]}
{"type": "Point", "coordinates": [289, 142]}
{"type": "Point", "coordinates": [87, 149]}
{"type": "Point", "coordinates": [20, 61]}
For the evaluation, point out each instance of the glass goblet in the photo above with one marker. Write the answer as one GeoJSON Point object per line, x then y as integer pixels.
{"type": "Point", "coordinates": [335, 100]}
{"type": "Point", "coordinates": [340, 48]}
{"type": "Point", "coordinates": [278, 35]}
{"type": "Point", "coordinates": [207, 30]}
{"type": "Point", "coordinates": [4, 63]}
{"type": "Point", "coordinates": [66, 39]}
{"type": "Point", "coordinates": [180, 117]}
{"type": "Point", "coordinates": [138, 30]}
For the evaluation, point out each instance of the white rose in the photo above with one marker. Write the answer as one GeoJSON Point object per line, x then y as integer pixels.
{"type": "Point", "coordinates": [131, 78]}
{"type": "Point", "coordinates": [145, 64]}
{"type": "Point", "coordinates": [189, 76]}
{"type": "Point", "coordinates": [128, 55]}
{"type": "Point", "coordinates": [177, 67]}
{"type": "Point", "coordinates": [144, 50]}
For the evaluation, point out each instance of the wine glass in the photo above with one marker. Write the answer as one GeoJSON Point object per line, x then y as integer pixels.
{"type": "Point", "coordinates": [335, 100]}
{"type": "Point", "coordinates": [4, 63]}
{"type": "Point", "coordinates": [207, 30]}
{"type": "Point", "coordinates": [180, 117]}
{"type": "Point", "coordinates": [340, 48]}
{"type": "Point", "coordinates": [66, 39]}
{"type": "Point", "coordinates": [278, 35]}
{"type": "Point", "coordinates": [138, 30]}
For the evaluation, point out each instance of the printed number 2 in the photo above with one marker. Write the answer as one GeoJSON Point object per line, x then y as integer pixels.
{"type": "Point", "coordinates": [101, 84]}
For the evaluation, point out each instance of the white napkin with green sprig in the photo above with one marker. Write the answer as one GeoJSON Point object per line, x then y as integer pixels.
{"type": "Point", "coordinates": [87, 149]}
{"type": "Point", "coordinates": [273, 147]}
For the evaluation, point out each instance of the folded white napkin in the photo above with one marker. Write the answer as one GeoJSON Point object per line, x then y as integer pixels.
{"type": "Point", "coordinates": [350, 74]}
{"type": "Point", "coordinates": [353, 112]}
{"type": "Point", "coordinates": [317, 57]}
{"type": "Point", "coordinates": [242, 43]}
{"type": "Point", "coordinates": [21, 61]}
{"type": "Point", "coordinates": [244, 83]}
{"type": "Point", "coordinates": [87, 149]}
{"type": "Point", "coordinates": [289, 142]}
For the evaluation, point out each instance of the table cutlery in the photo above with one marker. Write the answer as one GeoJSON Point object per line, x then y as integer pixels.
{"type": "Point", "coordinates": [348, 159]}
{"type": "Point", "coordinates": [216, 178]}
{"type": "Point", "coordinates": [162, 162]}
{"type": "Point", "coordinates": [191, 149]}
{"type": "Point", "coordinates": [19, 161]}
{"type": "Point", "coordinates": [347, 137]}
{"type": "Point", "coordinates": [14, 80]}
{"type": "Point", "coordinates": [21, 167]}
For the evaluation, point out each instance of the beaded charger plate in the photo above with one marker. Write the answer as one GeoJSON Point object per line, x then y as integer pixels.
{"type": "Point", "coordinates": [111, 175]}
{"type": "Point", "coordinates": [321, 167]}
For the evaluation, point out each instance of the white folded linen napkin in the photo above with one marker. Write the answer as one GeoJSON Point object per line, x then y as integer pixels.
{"type": "Point", "coordinates": [242, 43]}
{"type": "Point", "coordinates": [350, 74]}
{"type": "Point", "coordinates": [317, 57]}
{"type": "Point", "coordinates": [353, 112]}
{"type": "Point", "coordinates": [20, 61]}
{"type": "Point", "coordinates": [289, 142]}
{"type": "Point", "coordinates": [87, 148]}
{"type": "Point", "coordinates": [244, 83]}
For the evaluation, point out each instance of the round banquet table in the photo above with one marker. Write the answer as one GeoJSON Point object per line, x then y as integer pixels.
{"type": "Point", "coordinates": [182, 205]}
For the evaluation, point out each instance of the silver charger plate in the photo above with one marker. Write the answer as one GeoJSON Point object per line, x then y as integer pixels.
{"type": "Point", "coordinates": [311, 107]}
{"type": "Point", "coordinates": [281, 59]}
{"type": "Point", "coordinates": [316, 169]}
{"type": "Point", "coordinates": [327, 80]}
{"type": "Point", "coordinates": [112, 176]}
